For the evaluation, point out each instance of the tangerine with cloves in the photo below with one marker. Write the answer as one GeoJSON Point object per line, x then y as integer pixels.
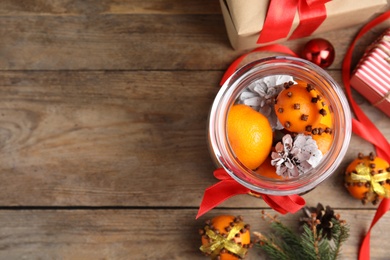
{"type": "Point", "coordinates": [367, 178]}
{"type": "Point", "coordinates": [225, 237]}
{"type": "Point", "coordinates": [323, 135]}
{"type": "Point", "coordinates": [300, 106]}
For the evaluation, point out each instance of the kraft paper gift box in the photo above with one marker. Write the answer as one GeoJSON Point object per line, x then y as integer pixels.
{"type": "Point", "coordinates": [371, 77]}
{"type": "Point", "coordinates": [244, 19]}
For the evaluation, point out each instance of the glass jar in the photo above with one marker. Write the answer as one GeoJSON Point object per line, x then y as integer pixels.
{"type": "Point", "coordinates": [301, 70]}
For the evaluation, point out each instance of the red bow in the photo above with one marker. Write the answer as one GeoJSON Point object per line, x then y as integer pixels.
{"type": "Point", "coordinates": [280, 17]}
{"type": "Point", "coordinates": [228, 187]}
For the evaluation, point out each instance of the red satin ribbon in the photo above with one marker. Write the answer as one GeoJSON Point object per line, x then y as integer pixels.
{"type": "Point", "coordinates": [228, 187]}
{"type": "Point", "coordinates": [280, 17]}
{"type": "Point", "coordinates": [363, 127]}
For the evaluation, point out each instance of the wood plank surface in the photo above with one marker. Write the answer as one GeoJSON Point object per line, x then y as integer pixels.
{"type": "Point", "coordinates": [103, 119]}
{"type": "Point", "coordinates": [70, 36]}
{"type": "Point", "coordinates": [72, 7]}
{"type": "Point", "coordinates": [144, 234]}
{"type": "Point", "coordinates": [118, 138]}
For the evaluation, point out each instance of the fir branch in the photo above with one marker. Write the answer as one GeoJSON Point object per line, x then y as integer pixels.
{"type": "Point", "coordinates": [312, 237]}
{"type": "Point", "coordinates": [314, 243]}
{"type": "Point", "coordinates": [340, 234]}
{"type": "Point", "coordinates": [324, 249]}
{"type": "Point", "coordinates": [270, 248]}
{"type": "Point", "coordinates": [316, 236]}
{"type": "Point", "coordinates": [284, 238]}
{"type": "Point", "coordinates": [289, 241]}
{"type": "Point", "coordinates": [308, 239]}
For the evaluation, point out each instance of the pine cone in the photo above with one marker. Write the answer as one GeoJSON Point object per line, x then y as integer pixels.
{"type": "Point", "coordinates": [321, 217]}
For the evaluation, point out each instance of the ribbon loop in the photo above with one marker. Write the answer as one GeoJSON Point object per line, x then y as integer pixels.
{"type": "Point", "coordinates": [280, 18]}
{"type": "Point", "coordinates": [311, 17]}
{"type": "Point", "coordinates": [228, 187]}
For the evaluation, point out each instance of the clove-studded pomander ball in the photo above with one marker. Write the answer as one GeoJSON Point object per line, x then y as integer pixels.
{"type": "Point", "coordinates": [367, 178]}
{"type": "Point", "coordinates": [225, 238]}
{"type": "Point", "coordinates": [319, 51]}
{"type": "Point", "coordinates": [300, 108]}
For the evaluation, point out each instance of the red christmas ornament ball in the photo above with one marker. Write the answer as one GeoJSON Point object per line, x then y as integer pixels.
{"type": "Point", "coordinates": [319, 51]}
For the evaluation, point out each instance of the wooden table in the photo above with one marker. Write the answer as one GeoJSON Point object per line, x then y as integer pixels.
{"type": "Point", "coordinates": [103, 118]}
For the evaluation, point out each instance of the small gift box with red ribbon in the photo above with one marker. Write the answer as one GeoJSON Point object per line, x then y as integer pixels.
{"type": "Point", "coordinates": [371, 77]}
{"type": "Point", "coordinates": [255, 23]}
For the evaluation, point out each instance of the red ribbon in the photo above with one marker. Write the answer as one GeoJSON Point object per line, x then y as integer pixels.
{"type": "Point", "coordinates": [280, 17]}
{"type": "Point", "coordinates": [228, 187]}
{"type": "Point", "coordinates": [363, 127]}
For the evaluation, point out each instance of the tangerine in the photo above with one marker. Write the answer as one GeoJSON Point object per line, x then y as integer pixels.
{"type": "Point", "coordinates": [363, 190]}
{"type": "Point", "coordinates": [324, 141]}
{"type": "Point", "coordinates": [327, 118]}
{"type": "Point", "coordinates": [266, 169]}
{"type": "Point", "coordinates": [358, 190]}
{"type": "Point", "coordinates": [250, 135]}
{"type": "Point", "coordinates": [223, 225]}
{"type": "Point", "coordinates": [299, 107]}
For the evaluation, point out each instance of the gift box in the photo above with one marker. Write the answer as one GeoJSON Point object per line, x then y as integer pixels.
{"type": "Point", "coordinates": [371, 77]}
{"type": "Point", "coordinates": [255, 23]}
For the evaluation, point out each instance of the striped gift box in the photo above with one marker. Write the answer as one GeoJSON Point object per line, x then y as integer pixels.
{"type": "Point", "coordinates": [371, 77]}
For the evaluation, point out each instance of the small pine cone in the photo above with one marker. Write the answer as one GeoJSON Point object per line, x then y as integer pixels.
{"type": "Point", "coordinates": [323, 219]}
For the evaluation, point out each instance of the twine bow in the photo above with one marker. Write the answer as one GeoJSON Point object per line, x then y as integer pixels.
{"type": "Point", "coordinates": [219, 242]}
{"type": "Point", "coordinates": [363, 174]}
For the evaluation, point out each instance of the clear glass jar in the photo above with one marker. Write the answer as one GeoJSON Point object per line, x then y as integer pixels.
{"type": "Point", "coordinates": [298, 69]}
